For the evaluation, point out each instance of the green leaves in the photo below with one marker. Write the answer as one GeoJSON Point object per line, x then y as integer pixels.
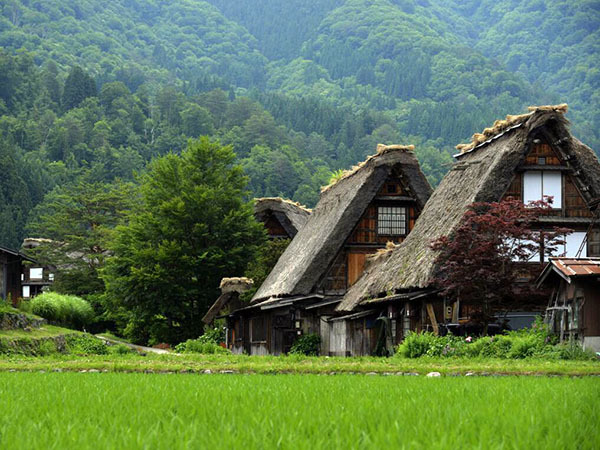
{"type": "Point", "coordinates": [192, 228]}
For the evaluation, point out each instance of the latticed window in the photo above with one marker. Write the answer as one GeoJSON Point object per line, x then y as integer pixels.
{"type": "Point", "coordinates": [391, 220]}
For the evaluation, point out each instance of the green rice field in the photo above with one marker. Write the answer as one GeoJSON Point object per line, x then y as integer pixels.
{"type": "Point", "coordinates": [176, 411]}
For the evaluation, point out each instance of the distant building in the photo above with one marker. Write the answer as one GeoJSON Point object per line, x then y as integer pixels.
{"type": "Point", "coordinates": [20, 275]}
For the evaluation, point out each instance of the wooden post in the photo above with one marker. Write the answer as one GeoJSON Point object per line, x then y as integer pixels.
{"type": "Point", "coordinates": [455, 311]}
{"type": "Point", "coordinates": [431, 314]}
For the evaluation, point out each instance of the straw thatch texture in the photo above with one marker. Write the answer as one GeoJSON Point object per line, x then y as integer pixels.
{"type": "Point", "coordinates": [291, 215]}
{"type": "Point", "coordinates": [480, 175]}
{"type": "Point", "coordinates": [340, 207]}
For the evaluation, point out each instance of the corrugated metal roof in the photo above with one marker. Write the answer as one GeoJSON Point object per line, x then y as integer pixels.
{"type": "Point", "coordinates": [577, 267]}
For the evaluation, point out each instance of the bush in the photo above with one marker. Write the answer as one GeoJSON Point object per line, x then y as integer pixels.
{"type": "Point", "coordinates": [536, 342]}
{"type": "Point", "coordinates": [120, 349]}
{"type": "Point", "coordinates": [309, 345]}
{"type": "Point", "coordinates": [201, 345]}
{"type": "Point", "coordinates": [85, 344]}
{"type": "Point", "coordinates": [66, 310]}
{"type": "Point", "coordinates": [416, 344]}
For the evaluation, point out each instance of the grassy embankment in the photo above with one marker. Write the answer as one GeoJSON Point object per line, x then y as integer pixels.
{"type": "Point", "coordinates": [295, 364]}
{"type": "Point", "coordinates": [72, 410]}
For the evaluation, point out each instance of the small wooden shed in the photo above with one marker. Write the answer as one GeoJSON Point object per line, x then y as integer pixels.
{"type": "Point", "coordinates": [573, 312]}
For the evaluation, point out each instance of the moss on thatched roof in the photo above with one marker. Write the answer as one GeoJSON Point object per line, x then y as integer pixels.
{"type": "Point", "coordinates": [481, 174]}
{"type": "Point", "coordinates": [312, 251]}
{"type": "Point", "coordinates": [501, 126]}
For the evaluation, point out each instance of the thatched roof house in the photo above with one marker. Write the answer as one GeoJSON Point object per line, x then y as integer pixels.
{"type": "Point", "coordinates": [307, 258]}
{"type": "Point", "coordinates": [488, 169]}
{"type": "Point", "coordinates": [282, 218]}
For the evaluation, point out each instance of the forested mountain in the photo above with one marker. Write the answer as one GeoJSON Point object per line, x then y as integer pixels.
{"type": "Point", "coordinates": [299, 88]}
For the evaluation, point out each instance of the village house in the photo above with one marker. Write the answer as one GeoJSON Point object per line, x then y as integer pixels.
{"type": "Point", "coordinates": [573, 312]}
{"type": "Point", "coordinates": [20, 276]}
{"type": "Point", "coordinates": [527, 157]}
{"type": "Point", "coordinates": [374, 205]}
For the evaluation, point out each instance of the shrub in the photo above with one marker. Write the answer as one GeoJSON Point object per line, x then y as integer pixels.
{"type": "Point", "coordinates": [534, 342]}
{"type": "Point", "coordinates": [309, 345]}
{"type": "Point", "coordinates": [85, 344]}
{"type": "Point", "coordinates": [66, 310]}
{"type": "Point", "coordinates": [416, 344]}
{"type": "Point", "coordinates": [200, 345]}
{"type": "Point", "coordinates": [120, 349]}
{"type": "Point", "coordinates": [47, 347]}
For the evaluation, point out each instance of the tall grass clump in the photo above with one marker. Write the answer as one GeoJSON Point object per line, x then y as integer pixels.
{"type": "Point", "coordinates": [66, 310]}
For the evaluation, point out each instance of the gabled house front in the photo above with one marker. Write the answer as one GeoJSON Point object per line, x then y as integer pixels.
{"type": "Point", "coordinates": [529, 157]}
{"type": "Point", "coordinates": [375, 203]}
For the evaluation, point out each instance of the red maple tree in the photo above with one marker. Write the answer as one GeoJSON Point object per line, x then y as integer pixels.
{"type": "Point", "coordinates": [481, 262]}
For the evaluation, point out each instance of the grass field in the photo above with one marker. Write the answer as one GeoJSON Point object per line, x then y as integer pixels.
{"type": "Point", "coordinates": [296, 364]}
{"type": "Point", "coordinates": [127, 411]}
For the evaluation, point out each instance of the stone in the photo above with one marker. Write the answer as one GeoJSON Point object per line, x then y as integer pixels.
{"type": "Point", "coordinates": [371, 373]}
{"type": "Point", "coordinates": [226, 371]}
{"type": "Point", "coordinates": [207, 371]}
{"type": "Point", "coordinates": [434, 375]}
{"type": "Point", "coordinates": [411, 374]}
{"type": "Point", "coordinates": [469, 374]}
{"type": "Point", "coordinates": [93, 371]}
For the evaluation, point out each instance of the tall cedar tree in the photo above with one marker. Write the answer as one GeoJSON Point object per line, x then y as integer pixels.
{"type": "Point", "coordinates": [481, 262]}
{"type": "Point", "coordinates": [77, 220]}
{"type": "Point", "coordinates": [193, 227]}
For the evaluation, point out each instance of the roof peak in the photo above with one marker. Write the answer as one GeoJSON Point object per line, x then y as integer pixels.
{"type": "Point", "coordinates": [380, 151]}
{"type": "Point", "coordinates": [281, 200]}
{"type": "Point", "coordinates": [511, 121]}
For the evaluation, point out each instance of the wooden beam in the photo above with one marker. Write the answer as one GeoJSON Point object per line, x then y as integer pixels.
{"type": "Point", "coordinates": [434, 323]}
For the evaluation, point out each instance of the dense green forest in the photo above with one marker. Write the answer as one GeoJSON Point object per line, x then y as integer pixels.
{"type": "Point", "coordinates": [95, 95]}
{"type": "Point", "coordinates": [299, 88]}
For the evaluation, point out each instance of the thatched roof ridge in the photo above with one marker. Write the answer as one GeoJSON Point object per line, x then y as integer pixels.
{"type": "Point", "coordinates": [292, 214]}
{"type": "Point", "coordinates": [478, 176]}
{"type": "Point", "coordinates": [311, 252]}
{"type": "Point", "coordinates": [502, 126]}
{"type": "Point", "coordinates": [381, 150]}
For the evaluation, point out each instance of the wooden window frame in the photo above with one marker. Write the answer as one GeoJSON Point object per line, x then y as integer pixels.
{"type": "Point", "coordinates": [251, 323]}
{"type": "Point", "coordinates": [390, 227]}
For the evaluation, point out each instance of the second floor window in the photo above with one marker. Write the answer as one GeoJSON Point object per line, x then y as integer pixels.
{"type": "Point", "coordinates": [540, 185]}
{"type": "Point", "coordinates": [391, 220]}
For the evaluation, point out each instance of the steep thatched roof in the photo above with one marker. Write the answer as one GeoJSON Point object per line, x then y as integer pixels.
{"type": "Point", "coordinates": [231, 288]}
{"type": "Point", "coordinates": [481, 174]}
{"type": "Point", "coordinates": [340, 207]}
{"type": "Point", "coordinates": [291, 215]}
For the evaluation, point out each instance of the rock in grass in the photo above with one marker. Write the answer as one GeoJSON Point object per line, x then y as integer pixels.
{"type": "Point", "coordinates": [93, 371]}
{"type": "Point", "coordinates": [371, 373]}
{"type": "Point", "coordinates": [433, 374]}
{"type": "Point", "coordinates": [207, 371]}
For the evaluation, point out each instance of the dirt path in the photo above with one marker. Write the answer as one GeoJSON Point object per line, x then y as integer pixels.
{"type": "Point", "coordinates": [139, 348]}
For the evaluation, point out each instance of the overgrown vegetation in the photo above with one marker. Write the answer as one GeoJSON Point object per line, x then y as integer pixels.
{"type": "Point", "coordinates": [65, 310]}
{"type": "Point", "coordinates": [535, 342]}
{"type": "Point", "coordinates": [308, 344]}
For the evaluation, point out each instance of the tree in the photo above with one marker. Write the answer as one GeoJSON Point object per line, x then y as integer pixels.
{"type": "Point", "coordinates": [193, 227]}
{"type": "Point", "coordinates": [78, 220]}
{"type": "Point", "coordinates": [78, 86]}
{"type": "Point", "coordinates": [480, 263]}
